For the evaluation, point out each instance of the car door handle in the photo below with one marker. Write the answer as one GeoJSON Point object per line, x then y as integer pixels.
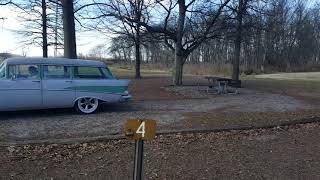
{"type": "Point", "coordinates": [37, 81]}
{"type": "Point", "coordinates": [69, 81]}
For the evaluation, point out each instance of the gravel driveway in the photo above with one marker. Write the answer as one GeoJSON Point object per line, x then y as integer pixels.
{"type": "Point", "coordinates": [65, 123]}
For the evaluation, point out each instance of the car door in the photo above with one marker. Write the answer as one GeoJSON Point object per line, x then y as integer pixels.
{"type": "Point", "coordinates": [93, 82]}
{"type": "Point", "coordinates": [57, 86]}
{"type": "Point", "coordinates": [88, 81]}
{"type": "Point", "coordinates": [22, 88]}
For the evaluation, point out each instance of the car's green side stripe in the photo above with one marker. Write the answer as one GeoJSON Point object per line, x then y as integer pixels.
{"type": "Point", "coordinates": [100, 89]}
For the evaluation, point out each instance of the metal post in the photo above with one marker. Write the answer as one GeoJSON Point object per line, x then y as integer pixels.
{"type": "Point", "coordinates": [138, 160]}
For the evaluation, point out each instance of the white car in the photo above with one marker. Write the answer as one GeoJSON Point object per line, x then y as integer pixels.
{"type": "Point", "coordinates": [41, 83]}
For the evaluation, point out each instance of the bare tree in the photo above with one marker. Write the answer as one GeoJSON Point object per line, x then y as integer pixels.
{"type": "Point", "coordinates": [44, 29]}
{"type": "Point", "coordinates": [37, 25]}
{"type": "Point", "coordinates": [121, 17]}
{"type": "Point", "coordinates": [6, 2]}
{"type": "Point", "coordinates": [98, 51]}
{"type": "Point", "coordinates": [251, 35]}
{"type": "Point", "coordinates": [121, 48]}
{"type": "Point", "coordinates": [69, 29]}
{"type": "Point", "coordinates": [242, 6]}
{"type": "Point", "coordinates": [243, 11]}
{"type": "Point", "coordinates": [181, 27]}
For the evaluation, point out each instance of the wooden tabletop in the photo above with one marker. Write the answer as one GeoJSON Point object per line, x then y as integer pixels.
{"type": "Point", "coordinates": [214, 78]}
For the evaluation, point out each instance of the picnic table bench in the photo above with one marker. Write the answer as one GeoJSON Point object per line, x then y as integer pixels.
{"type": "Point", "coordinates": [223, 85]}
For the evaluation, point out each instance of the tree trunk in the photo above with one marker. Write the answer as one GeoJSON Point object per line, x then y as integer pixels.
{"type": "Point", "coordinates": [56, 30]}
{"type": "Point", "coordinates": [179, 53]}
{"type": "Point", "coordinates": [178, 75]}
{"type": "Point", "coordinates": [69, 30]}
{"type": "Point", "coordinates": [138, 9]}
{"type": "Point", "coordinates": [236, 60]}
{"type": "Point", "coordinates": [138, 56]}
{"type": "Point", "coordinates": [44, 30]}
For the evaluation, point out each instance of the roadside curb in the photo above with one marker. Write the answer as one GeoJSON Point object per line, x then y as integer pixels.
{"type": "Point", "coordinates": [181, 131]}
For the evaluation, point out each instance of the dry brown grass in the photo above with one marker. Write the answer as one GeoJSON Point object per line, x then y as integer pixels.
{"type": "Point", "coordinates": [305, 76]}
{"type": "Point", "coordinates": [207, 69]}
{"type": "Point", "coordinates": [163, 69]}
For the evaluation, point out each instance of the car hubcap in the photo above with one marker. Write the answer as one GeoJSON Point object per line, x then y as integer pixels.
{"type": "Point", "coordinates": [88, 105]}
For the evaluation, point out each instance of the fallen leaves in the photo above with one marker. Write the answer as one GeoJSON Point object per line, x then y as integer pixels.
{"type": "Point", "coordinates": [167, 153]}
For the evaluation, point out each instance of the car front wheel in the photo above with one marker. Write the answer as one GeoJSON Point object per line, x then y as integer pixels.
{"type": "Point", "coordinates": [87, 105]}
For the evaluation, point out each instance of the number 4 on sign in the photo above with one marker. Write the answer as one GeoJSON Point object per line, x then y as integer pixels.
{"type": "Point", "coordinates": [141, 129]}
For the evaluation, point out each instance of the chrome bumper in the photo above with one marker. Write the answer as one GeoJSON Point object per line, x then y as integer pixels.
{"type": "Point", "coordinates": [125, 98]}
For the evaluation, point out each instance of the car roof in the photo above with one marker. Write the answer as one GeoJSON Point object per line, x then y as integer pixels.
{"type": "Point", "coordinates": [55, 61]}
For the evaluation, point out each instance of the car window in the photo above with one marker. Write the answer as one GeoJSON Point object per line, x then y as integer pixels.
{"type": "Point", "coordinates": [88, 73]}
{"type": "Point", "coordinates": [56, 72]}
{"type": "Point", "coordinates": [107, 73]}
{"type": "Point", "coordinates": [24, 71]}
{"type": "Point", "coordinates": [2, 71]}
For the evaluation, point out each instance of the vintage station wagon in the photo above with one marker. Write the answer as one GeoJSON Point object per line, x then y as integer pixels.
{"type": "Point", "coordinates": [41, 83]}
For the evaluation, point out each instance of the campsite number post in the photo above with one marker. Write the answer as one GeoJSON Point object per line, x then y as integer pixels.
{"type": "Point", "coordinates": [139, 130]}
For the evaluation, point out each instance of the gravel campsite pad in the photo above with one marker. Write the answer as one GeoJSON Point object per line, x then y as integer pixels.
{"type": "Point", "coordinates": [170, 115]}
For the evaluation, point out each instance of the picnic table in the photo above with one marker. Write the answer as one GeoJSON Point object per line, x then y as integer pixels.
{"type": "Point", "coordinates": [222, 85]}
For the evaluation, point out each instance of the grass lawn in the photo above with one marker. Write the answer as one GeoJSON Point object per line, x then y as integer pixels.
{"type": "Point", "coordinates": [129, 72]}
{"type": "Point", "coordinates": [294, 84]}
{"type": "Point", "coordinates": [301, 76]}
{"type": "Point", "coordinates": [308, 81]}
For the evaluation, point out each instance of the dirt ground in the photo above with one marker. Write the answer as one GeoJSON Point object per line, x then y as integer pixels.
{"type": "Point", "coordinates": [279, 153]}
{"type": "Point", "coordinates": [172, 110]}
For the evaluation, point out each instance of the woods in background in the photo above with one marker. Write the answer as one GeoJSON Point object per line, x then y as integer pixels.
{"type": "Point", "coordinates": [277, 35]}
{"type": "Point", "coordinates": [251, 36]}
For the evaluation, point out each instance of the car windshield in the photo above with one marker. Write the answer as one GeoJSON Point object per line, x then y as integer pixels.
{"type": "Point", "coordinates": [107, 73]}
{"type": "Point", "coordinates": [2, 71]}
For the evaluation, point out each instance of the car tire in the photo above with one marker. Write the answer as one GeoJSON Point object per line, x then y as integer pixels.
{"type": "Point", "coordinates": [87, 105]}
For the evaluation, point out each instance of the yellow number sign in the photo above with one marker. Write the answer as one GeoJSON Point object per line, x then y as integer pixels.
{"type": "Point", "coordinates": [140, 129]}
